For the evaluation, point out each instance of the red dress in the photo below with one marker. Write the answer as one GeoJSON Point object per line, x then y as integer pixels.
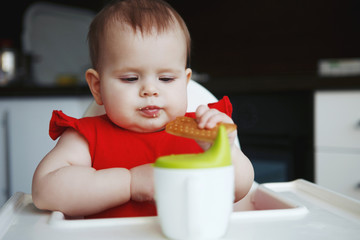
{"type": "Point", "coordinates": [111, 146]}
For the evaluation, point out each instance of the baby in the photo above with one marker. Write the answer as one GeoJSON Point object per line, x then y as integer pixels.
{"type": "Point", "coordinates": [101, 166]}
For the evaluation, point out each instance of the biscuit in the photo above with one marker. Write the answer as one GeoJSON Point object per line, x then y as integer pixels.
{"type": "Point", "coordinates": [188, 127]}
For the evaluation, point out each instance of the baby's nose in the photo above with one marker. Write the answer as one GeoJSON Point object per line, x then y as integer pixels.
{"type": "Point", "coordinates": [149, 90]}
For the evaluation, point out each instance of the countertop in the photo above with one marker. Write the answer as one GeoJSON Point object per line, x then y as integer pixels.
{"type": "Point", "coordinates": [282, 84]}
{"type": "Point", "coordinates": [37, 91]}
{"type": "Point", "coordinates": [217, 86]}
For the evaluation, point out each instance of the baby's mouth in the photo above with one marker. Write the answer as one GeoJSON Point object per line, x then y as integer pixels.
{"type": "Point", "coordinates": [150, 111]}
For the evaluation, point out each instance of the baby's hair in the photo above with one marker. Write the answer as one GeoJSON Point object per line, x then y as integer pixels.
{"type": "Point", "coordinates": [141, 15]}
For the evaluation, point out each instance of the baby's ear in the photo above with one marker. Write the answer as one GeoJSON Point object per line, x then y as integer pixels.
{"type": "Point", "coordinates": [188, 73]}
{"type": "Point", "coordinates": [93, 80]}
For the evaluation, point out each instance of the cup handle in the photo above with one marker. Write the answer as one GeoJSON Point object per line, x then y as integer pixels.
{"type": "Point", "coordinates": [193, 206]}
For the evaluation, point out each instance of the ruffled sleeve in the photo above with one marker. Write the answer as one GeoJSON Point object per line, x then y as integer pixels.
{"type": "Point", "coordinates": [59, 123]}
{"type": "Point", "coordinates": [223, 105]}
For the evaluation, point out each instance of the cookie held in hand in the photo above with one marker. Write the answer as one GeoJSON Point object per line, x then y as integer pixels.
{"type": "Point", "coordinates": [188, 127]}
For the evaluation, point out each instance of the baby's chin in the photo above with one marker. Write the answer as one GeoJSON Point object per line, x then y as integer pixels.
{"type": "Point", "coordinates": [149, 130]}
{"type": "Point", "coordinates": [149, 125]}
{"type": "Point", "coordinates": [145, 129]}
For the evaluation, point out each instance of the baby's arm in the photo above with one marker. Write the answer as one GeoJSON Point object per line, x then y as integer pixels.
{"type": "Point", "coordinates": [66, 182]}
{"type": "Point", "coordinates": [244, 172]}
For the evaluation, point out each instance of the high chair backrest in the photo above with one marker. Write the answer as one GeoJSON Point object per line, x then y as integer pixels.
{"type": "Point", "coordinates": [197, 95]}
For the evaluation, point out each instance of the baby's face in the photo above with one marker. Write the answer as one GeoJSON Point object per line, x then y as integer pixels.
{"type": "Point", "coordinates": [143, 79]}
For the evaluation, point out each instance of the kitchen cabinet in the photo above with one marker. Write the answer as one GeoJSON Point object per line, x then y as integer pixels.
{"type": "Point", "coordinates": [337, 141]}
{"type": "Point", "coordinates": [24, 138]}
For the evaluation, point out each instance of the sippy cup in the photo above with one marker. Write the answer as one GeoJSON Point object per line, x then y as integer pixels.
{"type": "Point", "coordinates": [195, 192]}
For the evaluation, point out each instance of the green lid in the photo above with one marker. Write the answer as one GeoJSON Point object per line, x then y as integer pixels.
{"type": "Point", "coordinates": [217, 156]}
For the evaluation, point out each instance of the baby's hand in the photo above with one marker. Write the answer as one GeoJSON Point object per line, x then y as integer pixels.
{"type": "Point", "coordinates": [142, 183]}
{"type": "Point", "coordinates": [208, 118]}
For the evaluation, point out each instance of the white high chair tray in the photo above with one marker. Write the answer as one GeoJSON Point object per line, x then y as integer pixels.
{"type": "Point", "coordinates": [291, 210]}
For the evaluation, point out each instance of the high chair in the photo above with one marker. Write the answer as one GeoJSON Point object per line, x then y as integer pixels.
{"type": "Point", "coordinates": [291, 210]}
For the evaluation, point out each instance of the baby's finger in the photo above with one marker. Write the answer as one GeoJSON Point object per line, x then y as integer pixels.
{"type": "Point", "coordinates": [205, 120]}
{"type": "Point", "coordinates": [216, 118]}
{"type": "Point", "coordinates": [201, 110]}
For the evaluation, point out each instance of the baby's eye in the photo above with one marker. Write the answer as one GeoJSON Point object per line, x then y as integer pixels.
{"type": "Point", "coordinates": [166, 79]}
{"type": "Point", "coordinates": [129, 79]}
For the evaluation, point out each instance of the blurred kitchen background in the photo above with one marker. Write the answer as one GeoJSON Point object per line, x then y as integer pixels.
{"type": "Point", "coordinates": [291, 69]}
